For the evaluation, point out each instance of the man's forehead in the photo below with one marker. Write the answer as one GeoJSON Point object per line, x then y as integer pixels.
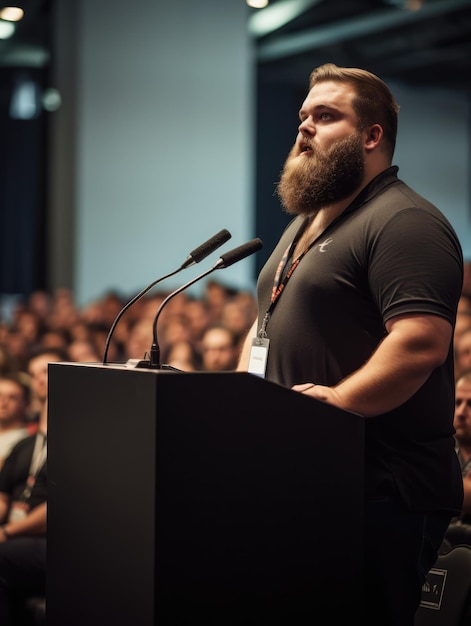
{"type": "Point", "coordinates": [332, 89]}
{"type": "Point", "coordinates": [330, 94]}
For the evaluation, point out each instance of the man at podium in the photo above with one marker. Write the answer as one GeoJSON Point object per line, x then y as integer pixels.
{"type": "Point", "coordinates": [356, 308]}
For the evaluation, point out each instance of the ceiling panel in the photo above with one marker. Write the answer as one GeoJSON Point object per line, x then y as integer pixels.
{"type": "Point", "coordinates": [419, 42]}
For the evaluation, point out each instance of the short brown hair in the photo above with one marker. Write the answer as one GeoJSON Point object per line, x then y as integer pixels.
{"type": "Point", "coordinates": [374, 102]}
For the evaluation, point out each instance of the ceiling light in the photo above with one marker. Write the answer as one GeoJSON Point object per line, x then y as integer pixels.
{"type": "Point", "coordinates": [257, 4]}
{"type": "Point", "coordinates": [6, 29]}
{"type": "Point", "coordinates": [11, 14]}
{"type": "Point", "coordinates": [25, 103]}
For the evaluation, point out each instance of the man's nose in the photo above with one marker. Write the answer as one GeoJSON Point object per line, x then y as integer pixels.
{"type": "Point", "coordinates": [307, 128]}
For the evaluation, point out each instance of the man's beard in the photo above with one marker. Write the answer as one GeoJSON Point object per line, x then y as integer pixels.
{"type": "Point", "coordinates": [321, 178]}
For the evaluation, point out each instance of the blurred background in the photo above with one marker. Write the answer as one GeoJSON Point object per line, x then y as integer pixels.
{"type": "Point", "coordinates": [132, 132]}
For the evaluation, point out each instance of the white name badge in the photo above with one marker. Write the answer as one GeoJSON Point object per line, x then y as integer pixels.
{"type": "Point", "coordinates": [18, 511]}
{"type": "Point", "coordinates": [258, 356]}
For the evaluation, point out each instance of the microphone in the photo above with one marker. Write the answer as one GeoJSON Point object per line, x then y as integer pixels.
{"type": "Point", "coordinates": [197, 255]}
{"type": "Point", "coordinates": [225, 260]}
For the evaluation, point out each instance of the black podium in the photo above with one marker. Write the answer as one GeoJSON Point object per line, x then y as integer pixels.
{"type": "Point", "coordinates": [199, 498]}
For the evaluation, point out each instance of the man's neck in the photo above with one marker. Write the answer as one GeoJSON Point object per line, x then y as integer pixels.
{"type": "Point", "coordinates": [318, 224]}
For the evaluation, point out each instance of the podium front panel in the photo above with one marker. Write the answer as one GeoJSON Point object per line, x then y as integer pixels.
{"type": "Point", "coordinates": [184, 498]}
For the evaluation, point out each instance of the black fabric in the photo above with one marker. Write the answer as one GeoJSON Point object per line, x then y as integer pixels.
{"type": "Point", "coordinates": [22, 559]}
{"type": "Point", "coordinates": [22, 574]}
{"type": "Point", "coordinates": [15, 472]}
{"type": "Point", "coordinates": [391, 252]}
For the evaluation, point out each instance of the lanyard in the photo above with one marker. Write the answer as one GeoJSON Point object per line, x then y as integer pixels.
{"type": "Point", "coordinates": [280, 283]}
{"type": "Point", "coordinates": [37, 461]}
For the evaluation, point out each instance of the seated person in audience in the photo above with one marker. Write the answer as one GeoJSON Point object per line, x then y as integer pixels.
{"type": "Point", "coordinates": [23, 533]}
{"type": "Point", "coordinates": [8, 364]}
{"type": "Point", "coordinates": [23, 505]}
{"type": "Point", "coordinates": [239, 313]}
{"type": "Point", "coordinates": [183, 356]}
{"type": "Point", "coordinates": [83, 351]}
{"type": "Point", "coordinates": [219, 349]}
{"type": "Point", "coordinates": [57, 338]}
{"type": "Point", "coordinates": [14, 405]}
{"type": "Point", "coordinates": [462, 424]}
{"type": "Point", "coordinates": [38, 371]}
{"type": "Point", "coordinates": [139, 340]}
{"type": "Point", "coordinates": [462, 349]}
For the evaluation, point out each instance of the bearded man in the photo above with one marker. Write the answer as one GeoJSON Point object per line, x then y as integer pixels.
{"type": "Point", "coordinates": [356, 307]}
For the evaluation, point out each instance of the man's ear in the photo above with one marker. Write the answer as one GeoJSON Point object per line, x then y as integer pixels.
{"type": "Point", "coordinates": [373, 136]}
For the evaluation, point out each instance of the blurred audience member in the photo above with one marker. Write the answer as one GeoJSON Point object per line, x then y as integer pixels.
{"type": "Point", "coordinates": [23, 515]}
{"type": "Point", "coordinates": [463, 352]}
{"type": "Point", "coordinates": [8, 364]}
{"type": "Point", "coordinates": [64, 313]}
{"type": "Point", "coordinates": [59, 338]}
{"type": "Point", "coordinates": [171, 330]}
{"type": "Point", "coordinates": [38, 370]}
{"type": "Point", "coordinates": [14, 407]}
{"type": "Point", "coordinates": [219, 349]}
{"type": "Point", "coordinates": [215, 296]}
{"type": "Point", "coordinates": [18, 347]}
{"type": "Point", "coordinates": [239, 313]}
{"type": "Point", "coordinates": [29, 325]}
{"type": "Point", "coordinates": [464, 304]}
{"type": "Point", "coordinates": [139, 341]}
{"type": "Point", "coordinates": [463, 323]}
{"type": "Point", "coordinates": [197, 319]}
{"type": "Point", "coordinates": [40, 303]}
{"type": "Point", "coordinates": [83, 351]}
{"type": "Point", "coordinates": [183, 356]}
{"type": "Point", "coordinates": [462, 424]}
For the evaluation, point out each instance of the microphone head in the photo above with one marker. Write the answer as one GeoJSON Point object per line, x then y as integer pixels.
{"type": "Point", "coordinates": [239, 253]}
{"type": "Point", "coordinates": [206, 248]}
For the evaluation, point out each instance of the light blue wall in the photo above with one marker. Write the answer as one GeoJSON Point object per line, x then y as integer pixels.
{"type": "Point", "coordinates": [433, 152]}
{"type": "Point", "coordinates": [166, 142]}
{"type": "Point", "coordinates": [164, 161]}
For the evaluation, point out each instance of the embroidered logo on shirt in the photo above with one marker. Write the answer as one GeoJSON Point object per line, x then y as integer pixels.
{"type": "Point", "coordinates": [325, 243]}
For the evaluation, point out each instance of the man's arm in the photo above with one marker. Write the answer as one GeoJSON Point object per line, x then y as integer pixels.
{"type": "Point", "coordinates": [243, 364]}
{"type": "Point", "coordinates": [414, 346]}
{"type": "Point", "coordinates": [35, 523]}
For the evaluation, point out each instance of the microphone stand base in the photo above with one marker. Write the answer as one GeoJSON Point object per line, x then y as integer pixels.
{"type": "Point", "coordinates": [143, 364]}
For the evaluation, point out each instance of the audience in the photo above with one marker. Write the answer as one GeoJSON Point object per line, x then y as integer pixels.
{"type": "Point", "coordinates": [195, 334]}
{"type": "Point", "coordinates": [54, 321]}
{"type": "Point", "coordinates": [23, 503]}
{"type": "Point", "coordinates": [459, 529]}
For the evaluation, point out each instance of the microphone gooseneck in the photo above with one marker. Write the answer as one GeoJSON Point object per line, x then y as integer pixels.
{"type": "Point", "coordinates": [198, 254]}
{"type": "Point", "coordinates": [225, 260]}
